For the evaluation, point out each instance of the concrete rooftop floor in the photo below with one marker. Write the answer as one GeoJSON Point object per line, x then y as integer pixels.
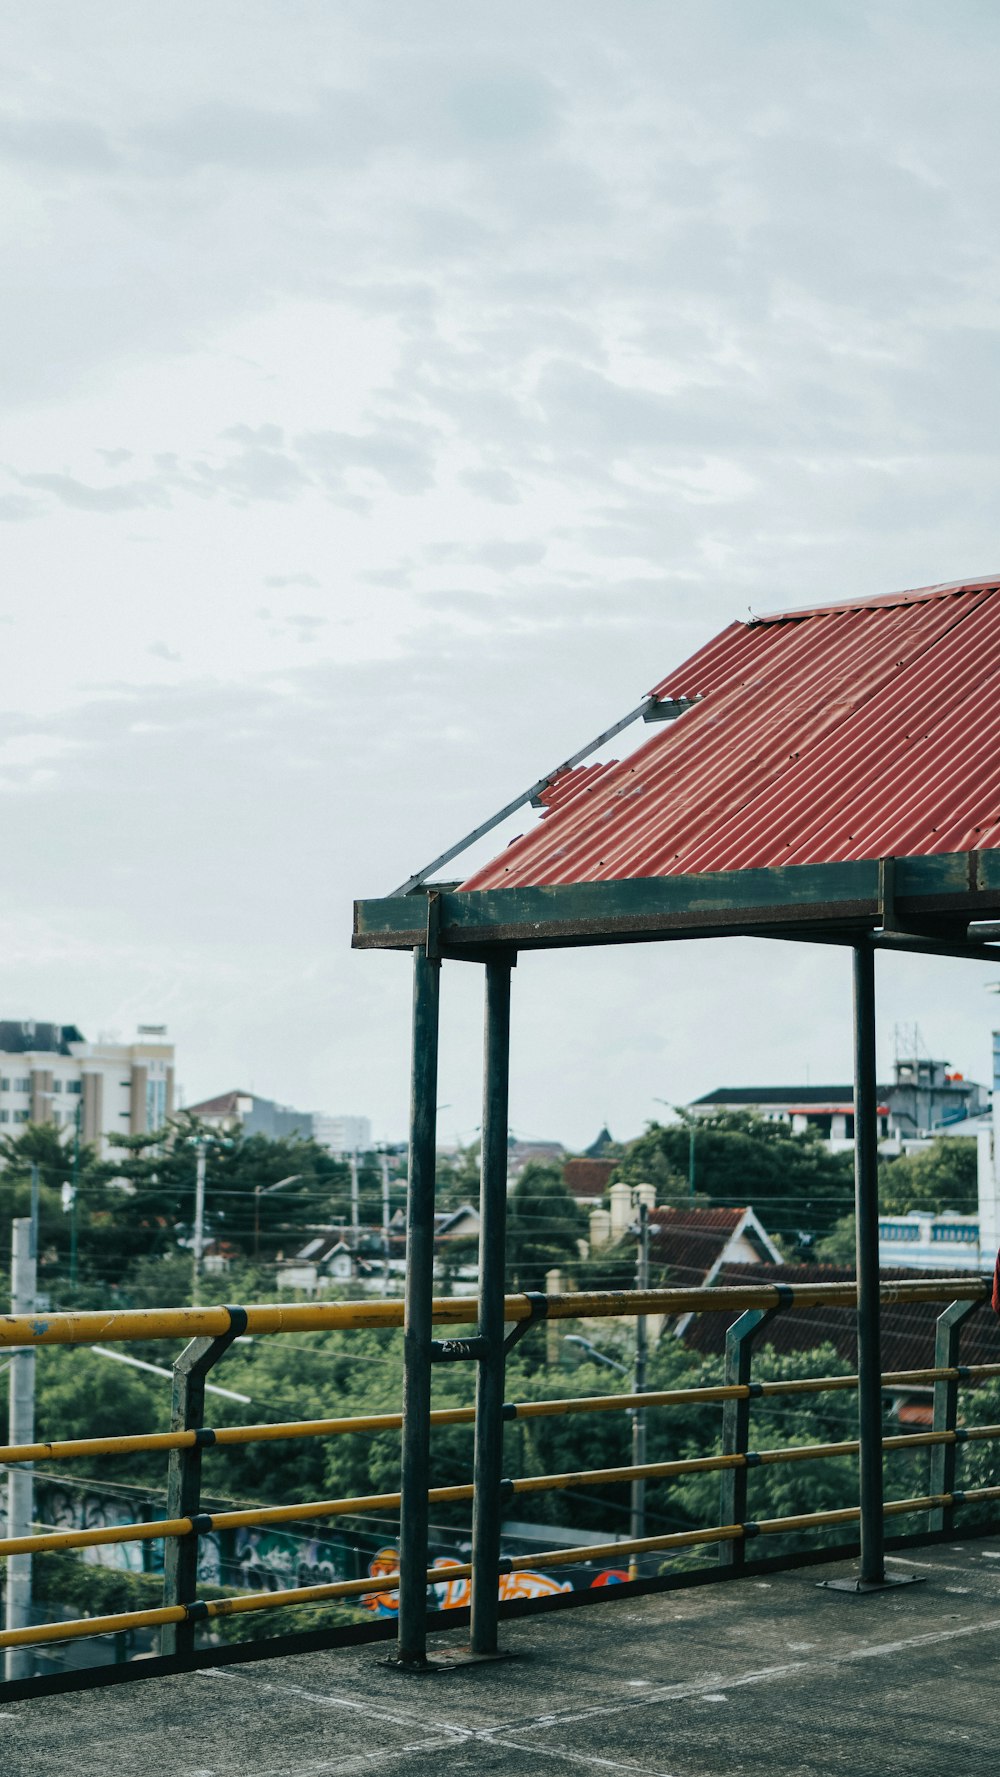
{"type": "Point", "coordinates": [769, 1676]}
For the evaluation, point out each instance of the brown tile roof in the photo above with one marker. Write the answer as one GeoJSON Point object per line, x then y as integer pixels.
{"type": "Point", "coordinates": [688, 1242]}
{"type": "Point", "coordinates": [588, 1178]}
{"type": "Point", "coordinates": [907, 1327]}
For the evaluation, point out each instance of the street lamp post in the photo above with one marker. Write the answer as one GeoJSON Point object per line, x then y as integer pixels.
{"type": "Point", "coordinates": [201, 1142]}
{"type": "Point", "coordinates": [601, 1356]}
{"type": "Point", "coordinates": [691, 1145]}
{"type": "Point", "coordinates": [21, 1430]}
{"type": "Point", "coordinates": [260, 1191]}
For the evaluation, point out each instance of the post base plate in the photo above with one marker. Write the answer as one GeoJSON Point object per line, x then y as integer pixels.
{"type": "Point", "coordinates": [865, 1586]}
{"type": "Point", "coordinates": [432, 1666]}
{"type": "Point", "coordinates": [422, 1668]}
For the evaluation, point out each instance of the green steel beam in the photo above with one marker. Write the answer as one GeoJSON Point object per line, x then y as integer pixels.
{"type": "Point", "coordinates": [800, 899]}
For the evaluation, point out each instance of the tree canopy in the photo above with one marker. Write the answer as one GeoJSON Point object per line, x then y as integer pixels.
{"type": "Point", "coordinates": [544, 1226]}
{"type": "Point", "coordinates": [937, 1179]}
{"type": "Point", "coordinates": [139, 1204]}
{"type": "Point", "coordinates": [797, 1187]}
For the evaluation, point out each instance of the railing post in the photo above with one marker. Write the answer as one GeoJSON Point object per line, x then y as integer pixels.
{"type": "Point", "coordinates": [187, 1413]}
{"type": "Point", "coordinates": [947, 1338]}
{"type": "Point", "coordinates": [637, 1503]}
{"type": "Point", "coordinates": [488, 1456]}
{"type": "Point", "coordinates": [411, 1651]}
{"type": "Point", "coordinates": [20, 1661]}
{"type": "Point", "coordinates": [740, 1339]}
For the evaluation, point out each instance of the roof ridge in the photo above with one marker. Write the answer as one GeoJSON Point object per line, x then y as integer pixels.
{"type": "Point", "coordinates": [880, 600]}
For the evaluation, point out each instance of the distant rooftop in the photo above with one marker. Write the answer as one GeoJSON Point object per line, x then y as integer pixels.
{"type": "Point", "coordinates": [26, 1036]}
{"type": "Point", "coordinates": [779, 1095]}
{"type": "Point", "coordinates": [226, 1104]}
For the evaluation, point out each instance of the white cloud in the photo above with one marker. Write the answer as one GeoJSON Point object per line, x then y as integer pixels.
{"type": "Point", "coordinates": [497, 355]}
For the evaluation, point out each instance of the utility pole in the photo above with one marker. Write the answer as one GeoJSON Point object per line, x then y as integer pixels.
{"type": "Point", "coordinates": [637, 1525]}
{"type": "Point", "coordinates": [20, 1480]}
{"type": "Point", "coordinates": [385, 1223]}
{"type": "Point", "coordinates": [199, 1220]}
{"type": "Point", "coordinates": [355, 1215]}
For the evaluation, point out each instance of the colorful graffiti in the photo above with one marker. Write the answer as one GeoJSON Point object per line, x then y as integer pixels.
{"type": "Point", "coordinates": [384, 1604]}
{"type": "Point", "coordinates": [267, 1560]}
{"type": "Point", "coordinates": [456, 1594]}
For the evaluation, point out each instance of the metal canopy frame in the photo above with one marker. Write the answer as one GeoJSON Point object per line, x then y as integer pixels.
{"type": "Point", "coordinates": [651, 709]}
{"type": "Point", "coordinates": [942, 905]}
{"type": "Point", "coordinates": [922, 903]}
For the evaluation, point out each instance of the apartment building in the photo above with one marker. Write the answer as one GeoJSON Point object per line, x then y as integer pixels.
{"type": "Point", "coordinates": [923, 1100]}
{"type": "Point", "coordinates": [50, 1073]}
{"type": "Point", "coordinates": [264, 1116]}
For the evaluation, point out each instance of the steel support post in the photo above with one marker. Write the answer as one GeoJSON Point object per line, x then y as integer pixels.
{"type": "Point", "coordinates": [869, 1303]}
{"type": "Point", "coordinates": [947, 1338]}
{"type": "Point", "coordinates": [488, 1457]}
{"type": "Point", "coordinates": [417, 1315]}
{"type": "Point", "coordinates": [740, 1338]}
{"type": "Point", "coordinates": [871, 1576]}
{"type": "Point", "coordinates": [187, 1413]}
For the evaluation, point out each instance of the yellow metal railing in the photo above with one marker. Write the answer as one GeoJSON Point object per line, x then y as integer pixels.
{"type": "Point", "coordinates": [219, 1323]}
{"type": "Point", "coordinates": [125, 1324]}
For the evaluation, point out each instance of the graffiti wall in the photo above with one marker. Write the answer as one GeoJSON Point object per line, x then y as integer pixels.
{"type": "Point", "coordinates": [265, 1559]}
{"type": "Point", "coordinates": [456, 1594]}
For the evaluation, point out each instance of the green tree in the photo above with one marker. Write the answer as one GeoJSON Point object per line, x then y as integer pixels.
{"type": "Point", "coordinates": [158, 1171]}
{"type": "Point", "coordinates": [941, 1177]}
{"type": "Point", "coordinates": [937, 1179]}
{"type": "Point", "coordinates": [838, 1246]}
{"type": "Point", "coordinates": [60, 1161]}
{"type": "Point", "coordinates": [544, 1226]}
{"type": "Point", "coordinates": [797, 1187]}
{"type": "Point", "coordinates": [457, 1177]}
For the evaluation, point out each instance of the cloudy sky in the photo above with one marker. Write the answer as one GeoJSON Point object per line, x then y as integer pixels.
{"type": "Point", "coordinates": [391, 394]}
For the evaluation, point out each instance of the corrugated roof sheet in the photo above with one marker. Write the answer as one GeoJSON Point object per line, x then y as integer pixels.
{"type": "Point", "coordinates": [907, 1328]}
{"type": "Point", "coordinates": [859, 730]}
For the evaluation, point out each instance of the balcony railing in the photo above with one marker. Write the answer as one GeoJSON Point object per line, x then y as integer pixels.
{"type": "Point", "coordinates": [212, 1330]}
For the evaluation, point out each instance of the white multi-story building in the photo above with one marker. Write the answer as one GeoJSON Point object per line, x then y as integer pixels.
{"type": "Point", "coordinates": [342, 1135]}
{"type": "Point", "coordinates": [264, 1116]}
{"type": "Point", "coordinates": [50, 1073]}
{"type": "Point", "coordinates": [948, 1241]}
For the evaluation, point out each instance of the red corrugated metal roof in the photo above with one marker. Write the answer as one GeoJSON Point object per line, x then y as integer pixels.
{"type": "Point", "coordinates": [858, 730]}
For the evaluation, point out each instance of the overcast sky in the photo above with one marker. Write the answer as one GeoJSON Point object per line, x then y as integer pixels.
{"type": "Point", "coordinates": [393, 393]}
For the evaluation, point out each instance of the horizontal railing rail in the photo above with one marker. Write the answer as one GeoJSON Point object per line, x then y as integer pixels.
{"type": "Point", "coordinates": [94, 1325]}
{"type": "Point", "coordinates": [205, 1610]}
{"type": "Point", "coordinates": [212, 1330]}
{"type": "Point", "coordinates": [356, 1506]}
{"type": "Point", "coordinates": [205, 1437]}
